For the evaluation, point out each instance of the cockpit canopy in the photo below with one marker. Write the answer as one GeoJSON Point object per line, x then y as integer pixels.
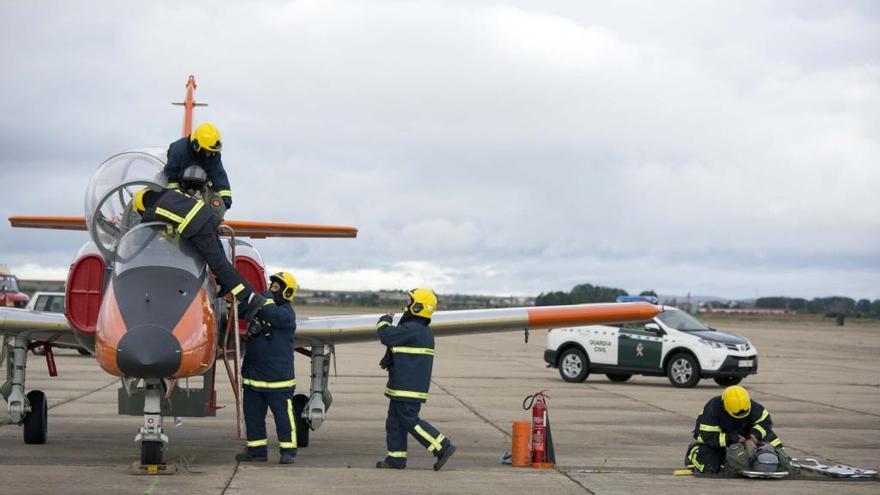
{"type": "Point", "coordinates": [108, 195]}
{"type": "Point", "coordinates": [149, 245]}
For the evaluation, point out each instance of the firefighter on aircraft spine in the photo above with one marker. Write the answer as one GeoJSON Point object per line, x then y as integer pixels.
{"type": "Point", "coordinates": [203, 147]}
{"type": "Point", "coordinates": [267, 373]}
{"type": "Point", "coordinates": [409, 360]}
{"type": "Point", "coordinates": [193, 221]}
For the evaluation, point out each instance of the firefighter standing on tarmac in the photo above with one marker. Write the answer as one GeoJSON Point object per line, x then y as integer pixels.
{"type": "Point", "coordinates": [267, 373]}
{"type": "Point", "coordinates": [726, 420]}
{"type": "Point", "coordinates": [193, 221]}
{"type": "Point", "coordinates": [409, 359]}
{"type": "Point", "coordinates": [202, 148]}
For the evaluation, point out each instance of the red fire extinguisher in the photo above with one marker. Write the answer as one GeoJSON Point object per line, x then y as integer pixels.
{"type": "Point", "coordinates": [542, 442]}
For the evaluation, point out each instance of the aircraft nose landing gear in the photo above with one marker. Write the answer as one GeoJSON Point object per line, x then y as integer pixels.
{"type": "Point", "coordinates": [151, 436]}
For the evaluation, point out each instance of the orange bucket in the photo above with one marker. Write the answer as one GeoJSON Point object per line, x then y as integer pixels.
{"type": "Point", "coordinates": [520, 451]}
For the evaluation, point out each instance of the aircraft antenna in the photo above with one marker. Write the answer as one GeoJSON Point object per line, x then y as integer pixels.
{"type": "Point", "coordinates": [188, 104]}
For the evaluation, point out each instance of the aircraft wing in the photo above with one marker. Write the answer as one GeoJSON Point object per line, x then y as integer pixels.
{"type": "Point", "coordinates": [37, 325]}
{"type": "Point", "coordinates": [243, 228]}
{"type": "Point", "coordinates": [362, 328]}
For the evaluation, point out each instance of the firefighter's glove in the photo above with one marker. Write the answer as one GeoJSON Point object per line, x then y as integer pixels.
{"type": "Point", "coordinates": [227, 200]}
{"type": "Point", "coordinates": [387, 360]}
{"type": "Point", "coordinates": [256, 327]}
{"type": "Point", "coordinates": [384, 321]}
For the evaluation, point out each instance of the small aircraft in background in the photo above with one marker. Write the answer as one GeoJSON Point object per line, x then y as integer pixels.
{"type": "Point", "coordinates": [144, 303]}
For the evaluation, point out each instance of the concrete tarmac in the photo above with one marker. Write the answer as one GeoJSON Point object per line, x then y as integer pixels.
{"type": "Point", "coordinates": [819, 382]}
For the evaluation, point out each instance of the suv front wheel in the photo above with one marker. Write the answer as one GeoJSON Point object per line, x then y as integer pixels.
{"type": "Point", "coordinates": [573, 365]}
{"type": "Point", "coordinates": [683, 370]}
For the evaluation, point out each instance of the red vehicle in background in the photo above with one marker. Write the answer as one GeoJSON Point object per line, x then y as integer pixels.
{"type": "Point", "coordinates": [10, 295]}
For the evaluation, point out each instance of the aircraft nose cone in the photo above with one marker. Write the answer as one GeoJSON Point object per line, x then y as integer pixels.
{"type": "Point", "coordinates": [148, 351]}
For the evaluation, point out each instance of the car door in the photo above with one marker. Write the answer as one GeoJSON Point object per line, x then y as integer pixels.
{"type": "Point", "coordinates": [639, 348]}
{"type": "Point", "coordinates": [601, 344]}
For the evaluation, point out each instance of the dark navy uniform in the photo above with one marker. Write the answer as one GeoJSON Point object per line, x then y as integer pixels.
{"type": "Point", "coordinates": [715, 430]}
{"type": "Point", "coordinates": [193, 221]}
{"type": "Point", "coordinates": [182, 155]}
{"type": "Point", "coordinates": [269, 380]}
{"type": "Point", "coordinates": [412, 348]}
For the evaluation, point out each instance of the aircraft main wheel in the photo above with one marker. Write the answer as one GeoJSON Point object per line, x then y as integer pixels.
{"type": "Point", "coordinates": [726, 381]}
{"type": "Point", "coordinates": [302, 428]}
{"type": "Point", "coordinates": [618, 377]}
{"type": "Point", "coordinates": [151, 452]}
{"type": "Point", "coordinates": [36, 421]}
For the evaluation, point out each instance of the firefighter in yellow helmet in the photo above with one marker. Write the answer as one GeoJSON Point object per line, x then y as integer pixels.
{"type": "Point", "coordinates": [727, 423]}
{"type": "Point", "coordinates": [409, 360]}
{"type": "Point", "coordinates": [191, 220]}
{"type": "Point", "coordinates": [267, 373]}
{"type": "Point", "coordinates": [202, 148]}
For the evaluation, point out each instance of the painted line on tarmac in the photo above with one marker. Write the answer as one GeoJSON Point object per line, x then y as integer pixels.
{"type": "Point", "coordinates": [817, 403]}
{"type": "Point", "coordinates": [5, 422]}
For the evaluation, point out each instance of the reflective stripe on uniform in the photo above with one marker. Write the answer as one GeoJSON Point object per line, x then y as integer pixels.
{"type": "Point", "coordinates": [225, 193]}
{"type": "Point", "coordinates": [167, 214]}
{"type": "Point", "coordinates": [440, 439]}
{"type": "Point", "coordinates": [189, 216]}
{"type": "Point", "coordinates": [692, 456]}
{"type": "Point", "coordinates": [763, 416]}
{"type": "Point", "coordinates": [382, 324]}
{"type": "Point", "coordinates": [722, 439]}
{"type": "Point", "coordinates": [414, 350]}
{"type": "Point", "coordinates": [257, 443]}
{"type": "Point", "coordinates": [238, 288]}
{"type": "Point", "coordinates": [776, 443]}
{"type": "Point", "coordinates": [268, 302]}
{"type": "Point", "coordinates": [705, 427]}
{"type": "Point", "coordinates": [762, 431]}
{"type": "Point", "coordinates": [292, 443]}
{"type": "Point", "coordinates": [257, 383]}
{"type": "Point", "coordinates": [398, 454]}
{"type": "Point", "coordinates": [435, 444]}
{"type": "Point", "coordinates": [173, 185]}
{"type": "Point", "coordinates": [406, 394]}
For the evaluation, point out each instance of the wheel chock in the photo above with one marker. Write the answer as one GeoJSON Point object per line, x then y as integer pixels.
{"type": "Point", "coordinates": [152, 469]}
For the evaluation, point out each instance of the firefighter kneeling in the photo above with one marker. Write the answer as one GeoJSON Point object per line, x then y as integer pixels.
{"type": "Point", "coordinates": [735, 433]}
{"type": "Point", "coordinates": [409, 359]}
{"type": "Point", "coordinates": [267, 373]}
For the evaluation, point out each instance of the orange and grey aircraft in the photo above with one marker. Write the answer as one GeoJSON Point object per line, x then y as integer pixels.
{"type": "Point", "coordinates": [143, 301]}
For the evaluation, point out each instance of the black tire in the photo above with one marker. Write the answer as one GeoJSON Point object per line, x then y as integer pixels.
{"type": "Point", "coordinates": [574, 365]}
{"type": "Point", "coordinates": [302, 427]}
{"type": "Point", "coordinates": [151, 453]}
{"type": "Point", "coordinates": [726, 381]}
{"type": "Point", "coordinates": [83, 352]}
{"type": "Point", "coordinates": [683, 370]}
{"type": "Point", "coordinates": [36, 422]}
{"type": "Point", "coordinates": [618, 377]}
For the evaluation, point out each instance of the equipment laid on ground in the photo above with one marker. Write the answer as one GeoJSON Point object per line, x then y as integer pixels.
{"type": "Point", "coordinates": [836, 471]}
{"type": "Point", "coordinates": [543, 455]}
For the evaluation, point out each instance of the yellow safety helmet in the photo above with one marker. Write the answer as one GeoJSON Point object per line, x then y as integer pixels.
{"type": "Point", "coordinates": [287, 282]}
{"type": "Point", "coordinates": [206, 137]}
{"type": "Point", "coordinates": [137, 200]}
{"type": "Point", "coordinates": [736, 401]}
{"type": "Point", "coordinates": [422, 302]}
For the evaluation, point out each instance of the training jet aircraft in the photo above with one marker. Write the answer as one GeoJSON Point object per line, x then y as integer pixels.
{"type": "Point", "coordinates": [142, 300]}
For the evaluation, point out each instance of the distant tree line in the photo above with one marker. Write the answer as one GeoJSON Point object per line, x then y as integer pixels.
{"type": "Point", "coordinates": [828, 306]}
{"type": "Point", "coordinates": [584, 293]}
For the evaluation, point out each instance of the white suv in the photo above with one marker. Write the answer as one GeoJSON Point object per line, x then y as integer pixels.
{"type": "Point", "coordinates": [673, 343]}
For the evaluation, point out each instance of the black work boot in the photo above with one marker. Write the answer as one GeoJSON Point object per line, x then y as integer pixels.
{"type": "Point", "coordinates": [384, 464]}
{"type": "Point", "coordinates": [247, 457]}
{"type": "Point", "coordinates": [254, 304]}
{"type": "Point", "coordinates": [444, 456]}
{"type": "Point", "coordinates": [286, 458]}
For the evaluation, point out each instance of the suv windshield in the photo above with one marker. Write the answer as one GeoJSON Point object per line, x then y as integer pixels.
{"type": "Point", "coordinates": [8, 283]}
{"type": "Point", "coordinates": [149, 245]}
{"type": "Point", "coordinates": [680, 320]}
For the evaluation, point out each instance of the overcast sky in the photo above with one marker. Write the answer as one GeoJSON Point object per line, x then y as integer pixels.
{"type": "Point", "coordinates": [718, 148]}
